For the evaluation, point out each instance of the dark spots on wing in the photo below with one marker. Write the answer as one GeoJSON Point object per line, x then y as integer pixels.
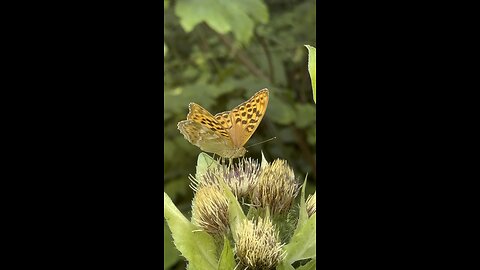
{"type": "Point", "coordinates": [244, 113]}
{"type": "Point", "coordinates": [249, 110]}
{"type": "Point", "coordinates": [254, 110]}
{"type": "Point", "coordinates": [259, 114]}
{"type": "Point", "coordinates": [237, 120]}
{"type": "Point", "coordinates": [225, 116]}
{"type": "Point", "coordinates": [249, 116]}
{"type": "Point", "coordinates": [250, 128]}
{"type": "Point", "coordinates": [248, 105]}
{"type": "Point", "coordinates": [223, 122]}
{"type": "Point", "coordinates": [253, 121]}
{"type": "Point", "coordinates": [244, 122]}
{"type": "Point", "coordinates": [242, 108]}
{"type": "Point", "coordinates": [257, 100]}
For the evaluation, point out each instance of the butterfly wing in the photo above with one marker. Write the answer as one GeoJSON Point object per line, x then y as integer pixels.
{"type": "Point", "coordinates": [200, 115]}
{"type": "Point", "coordinates": [203, 130]}
{"type": "Point", "coordinates": [203, 137]}
{"type": "Point", "coordinates": [246, 117]}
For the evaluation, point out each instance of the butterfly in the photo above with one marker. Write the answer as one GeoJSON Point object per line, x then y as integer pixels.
{"type": "Point", "coordinates": [226, 133]}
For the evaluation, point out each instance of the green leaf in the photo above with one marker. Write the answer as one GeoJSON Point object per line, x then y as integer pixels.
{"type": "Point", "coordinates": [284, 266]}
{"type": "Point", "coordinates": [204, 162]}
{"type": "Point", "coordinates": [303, 243]}
{"type": "Point", "coordinates": [227, 260]}
{"type": "Point", "coordinates": [303, 215]}
{"type": "Point", "coordinates": [170, 253]}
{"type": "Point", "coordinates": [311, 265]}
{"type": "Point", "coordinates": [223, 16]}
{"type": "Point", "coordinates": [257, 9]}
{"type": "Point", "coordinates": [198, 247]}
{"type": "Point", "coordinates": [193, 12]}
{"type": "Point", "coordinates": [235, 211]}
{"type": "Point", "coordinates": [312, 69]}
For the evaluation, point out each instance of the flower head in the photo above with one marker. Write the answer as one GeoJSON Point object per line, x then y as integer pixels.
{"type": "Point", "coordinates": [258, 245]}
{"type": "Point", "coordinates": [276, 187]}
{"type": "Point", "coordinates": [240, 177]}
{"type": "Point", "coordinates": [210, 210]}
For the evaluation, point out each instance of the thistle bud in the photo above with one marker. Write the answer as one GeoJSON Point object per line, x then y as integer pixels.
{"type": "Point", "coordinates": [311, 204]}
{"type": "Point", "coordinates": [276, 187]}
{"type": "Point", "coordinates": [258, 245]}
{"type": "Point", "coordinates": [240, 177]}
{"type": "Point", "coordinates": [210, 210]}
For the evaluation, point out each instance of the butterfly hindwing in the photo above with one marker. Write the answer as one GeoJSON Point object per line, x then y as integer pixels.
{"type": "Point", "coordinates": [203, 137]}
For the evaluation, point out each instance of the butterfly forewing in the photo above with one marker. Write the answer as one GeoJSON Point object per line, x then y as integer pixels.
{"type": "Point", "coordinates": [198, 114]}
{"type": "Point", "coordinates": [247, 116]}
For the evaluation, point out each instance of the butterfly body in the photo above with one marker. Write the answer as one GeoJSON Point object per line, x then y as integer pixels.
{"type": "Point", "coordinates": [226, 133]}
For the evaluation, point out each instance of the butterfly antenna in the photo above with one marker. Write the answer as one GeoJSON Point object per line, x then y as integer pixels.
{"type": "Point", "coordinates": [261, 142]}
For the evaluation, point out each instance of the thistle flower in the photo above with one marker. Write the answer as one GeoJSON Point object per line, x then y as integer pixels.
{"type": "Point", "coordinates": [240, 177]}
{"type": "Point", "coordinates": [311, 204]}
{"type": "Point", "coordinates": [210, 210]}
{"type": "Point", "coordinates": [276, 187]}
{"type": "Point", "coordinates": [258, 245]}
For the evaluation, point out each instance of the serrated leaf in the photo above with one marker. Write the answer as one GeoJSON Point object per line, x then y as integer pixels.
{"type": "Point", "coordinates": [302, 245]}
{"type": "Point", "coordinates": [312, 69]}
{"type": "Point", "coordinates": [227, 260]}
{"type": "Point", "coordinates": [170, 253]}
{"type": "Point", "coordinates": [198, 247]}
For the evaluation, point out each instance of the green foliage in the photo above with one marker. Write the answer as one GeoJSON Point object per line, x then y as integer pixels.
{"type": "Point", "coordinates": [198, 247]}
{"type": "Point", "coordinates": [312, 69]}
{"type": "Point", "coordinates": [227, 259]}
{"type": "Point", "coordinates": [204, 162]}
{"type": "Point", "coordinates": [170, 253]}
{"type": "Point", "coordinates": [223, 16]}
{"type": "Point", "coordinates": [311, 265]}
{"type": "Point", "coordinates": [303, 243]}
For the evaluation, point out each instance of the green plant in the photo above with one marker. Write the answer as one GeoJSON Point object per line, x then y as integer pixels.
{"type": "Point", "coordinates": [249, 207]}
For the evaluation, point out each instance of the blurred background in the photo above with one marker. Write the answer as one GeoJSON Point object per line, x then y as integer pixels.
{"type": "Point", "coordinates": [219, 53]}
